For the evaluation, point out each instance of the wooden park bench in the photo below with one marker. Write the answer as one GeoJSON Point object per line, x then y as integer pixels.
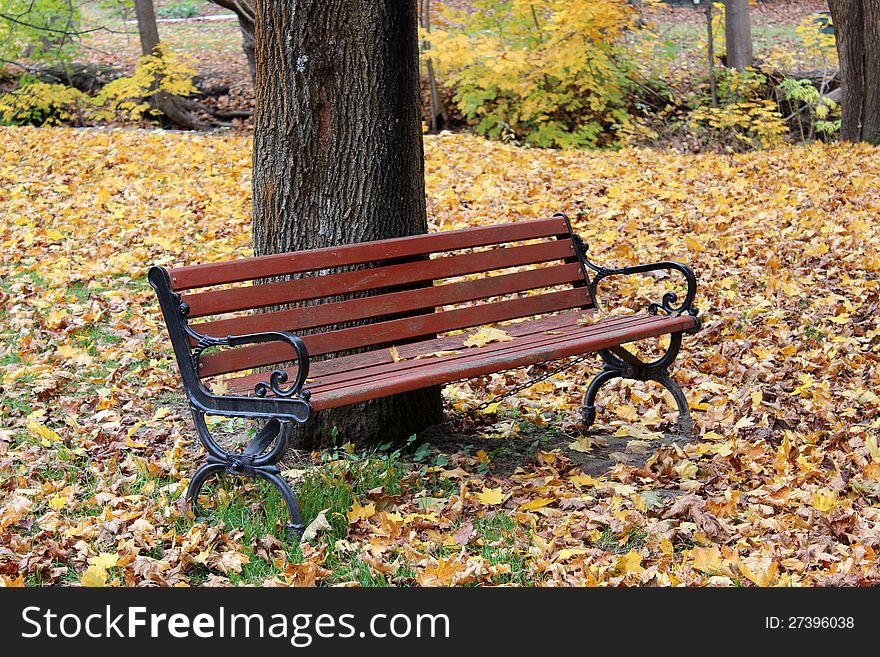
{"type": "Point", "coordinates": [531, 274]}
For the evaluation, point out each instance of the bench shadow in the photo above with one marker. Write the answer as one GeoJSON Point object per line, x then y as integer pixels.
{"type": "Point", "coordinates": [509, 454]}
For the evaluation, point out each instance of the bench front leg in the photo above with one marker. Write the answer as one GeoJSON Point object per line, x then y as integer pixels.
{"type": "Point", "coordinates": [258, 460]}
{"type": "Point", "coordinates": [621, 363]}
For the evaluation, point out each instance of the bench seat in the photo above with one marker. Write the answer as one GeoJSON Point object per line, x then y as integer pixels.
{"type": "Point", "coordinates": [359, 377]}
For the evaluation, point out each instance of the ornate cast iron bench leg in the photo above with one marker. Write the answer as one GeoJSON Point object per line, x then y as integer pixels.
{"type": "Point", "coordinates": [257, 460]}
{"type": "Point", "coordinates": [620, 363]}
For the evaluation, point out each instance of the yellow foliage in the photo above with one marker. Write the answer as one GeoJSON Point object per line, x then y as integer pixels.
{"type": "Point", "coordinates": [84, 357]}
{"type": "Point", "coordinates": [162, 71]}
{"type": "Point", "coordinates": [39, 103]}
{"type": "Point", "coordinates": [756, 123]}
{"type": "Point", "coordinates": [547, 72]}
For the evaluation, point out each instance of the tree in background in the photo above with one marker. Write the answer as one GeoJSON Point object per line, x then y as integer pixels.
{"type": "Point", "coordinates": [857, 30]}
{"type": "Point", "coordinates": [244, 10]}
{"type": "Point", "coordinates": [170, 105]}
{"type": "Point", "coordinates": [338, 155]}
{"type": "Point", "coordinates": [738, 34]}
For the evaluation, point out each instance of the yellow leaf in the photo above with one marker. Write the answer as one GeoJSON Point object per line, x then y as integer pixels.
{"type": "Point", "coordinates": [631, 562]}
{"type": "Point", "coordinates": [94, 576]}
{"type": "Point", "coordinates": [490, 409]}
{"type": "Point", "coordinates": [760, 570]}
{"type": "Point", "coordinates": [707, 560]}
{"type": "Point", "coordinates": [873, 449]}
{"type": "Point", "coordinates": [824, 500]}
{"type": "Point", "coordinates": [437, 354]}
{"type": "Point", "coordinates": [481, 457]}
{"type": "Point", "coordinates": [686, 469]}
{"type": "Point", "coordinates": [568, 553]}
{"type": "Point", "coordinates": [582, 479]}
{"type": "Point", "coordinates": [358, 512]}
{"type": "Point", "coordinates": [395, 356]}
{"type": "Point", "coordinates": [104, 560]}
{"type": "Point", "coordinates": [491, 496]}
{"type": "Point", "coordinates": [537, 503]}
{"type": "Point", "coordinates": [58, 501]}
{"type": "Point", "coordinates": [583, 444]}
{"type": "Point", "coordinates": [40, 429]}
{"type": "Point", "coordinates": [486, 335]}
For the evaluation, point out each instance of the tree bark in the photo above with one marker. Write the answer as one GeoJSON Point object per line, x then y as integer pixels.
{"type": "Point", "coordinates": [738, 34]}
{"type": "Point", "coordinates": [338, 157]}
{"type": "Point", "coordinates": [147, 27]}
{"type": "Point", "coordinates": [710, 41]}
{"type": "Point", "coordinates": [170, 106]}
{"type": "Point", "coordinates": [857, 32]}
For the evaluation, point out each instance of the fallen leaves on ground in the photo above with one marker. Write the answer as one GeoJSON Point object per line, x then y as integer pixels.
{"type": "Point", "coordinates": [782, 486]}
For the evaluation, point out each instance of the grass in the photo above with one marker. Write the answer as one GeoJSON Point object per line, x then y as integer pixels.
{"type": "Point", "coordinates": [256, 509]}
{"type": "Point", "coordinates": [498, 532]}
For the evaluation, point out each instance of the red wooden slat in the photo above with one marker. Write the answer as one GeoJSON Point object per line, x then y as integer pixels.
{"type": "Point", "coordinates": [234, 360]}
{"type": "Point", "coordinates": [478, 365]}
{"type": "Point", "coordinates": [383, 305]}
{"type": "Point", "coordinates": [377, 374]}
{"type": "Point", "coordinates": [244, 269]}
{"type": "Point", "coordinates": [250, 297]}
{"type": "Point", "coordinates": [351, 364]}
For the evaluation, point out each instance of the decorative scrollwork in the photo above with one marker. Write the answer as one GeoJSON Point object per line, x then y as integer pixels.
{"type": "Point", "coordinates": [669, 303]}
{"type": "Point", "coordinates": [276, 381]}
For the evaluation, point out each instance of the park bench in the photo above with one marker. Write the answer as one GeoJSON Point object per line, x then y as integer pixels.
{"type": "Point", "coordinates": [428, 293]}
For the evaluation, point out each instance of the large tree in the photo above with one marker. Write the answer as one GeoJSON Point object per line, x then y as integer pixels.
{"type": "Point", "coordinates": [338, 155]}
{"type": "Point", "coordinates": [857, 29]}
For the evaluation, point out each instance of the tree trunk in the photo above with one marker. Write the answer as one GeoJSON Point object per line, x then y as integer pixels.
{"type": "Point", "coordinates": [710, 45]}
{"type": "Point", "coordinates": [244, 9]}
{"type": "Point", "coordinates": [857, 31]}
{"type": "Point", "coordinates": [147, 27]}
{"type": "Point", "coordinates": [171, 106]}
{"type": "Point", "coordinates": [738, 34]}
{"type": "Point", "coordinates": [439, 117]}
{"type": "Point", "coordinates": [338, 157]}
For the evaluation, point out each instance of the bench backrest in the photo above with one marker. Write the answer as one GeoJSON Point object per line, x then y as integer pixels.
{"type": "Point", "coordinates": [407, 288]}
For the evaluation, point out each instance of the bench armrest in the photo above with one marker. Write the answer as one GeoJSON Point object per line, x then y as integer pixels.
{"type": "Point", "coordinates": [669, 304]}
{"type": "Point", "coordinates": [278, 377]}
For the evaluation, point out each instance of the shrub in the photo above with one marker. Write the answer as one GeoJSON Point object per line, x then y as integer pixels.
{"type": "Point", "coordinates": [38, 103]}
{"type": "Point", "coordinates": [162, 71]}
{"type": "Point", "coordinates": [812, 112]}
{"type": "Point", "coordinates": [545, 72]}
{"type": "Point", "coordinates": [186, 9]}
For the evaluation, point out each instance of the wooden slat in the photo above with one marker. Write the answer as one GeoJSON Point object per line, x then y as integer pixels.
{"type": "Point", "coordinates": [383, 305]}
{"type": "Point", "coordinates": [349, 365]}
{"type": "Point", "coordinates": [619, 326]}
{"type": "Point", "coordinates": [244, 269]}
{"type": "Point", "coordinates": [234, 360]}
{"type": "Point", "coordinates": [279, 293]}
{"type": "Point", "coordinates": [479, 364]}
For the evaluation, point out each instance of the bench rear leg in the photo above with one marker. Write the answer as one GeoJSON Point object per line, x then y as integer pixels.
{"type": "Point", "coordinates": [620, 363]}
{"type": "Point", "coordinates": [258, 460]}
